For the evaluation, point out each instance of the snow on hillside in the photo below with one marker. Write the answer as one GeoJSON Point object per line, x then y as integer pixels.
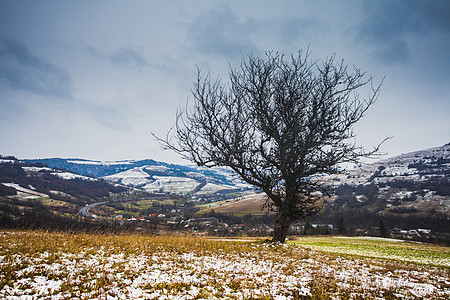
{"type": "Point", "coordinates": [141, 174]}
{"type": "Point", "coordinates": [60, 174]}
{"type": "Point", "coordinates": [164, 178]}
{"type": "Point", "coordinates": [406, 158]}
{"type": "Point", "coordinates": [26, 193]}
{"type": "Point", "coordinates": [171, 184]}
{"type": "Point", "coordinates": [71, 176]}
{"type": "Point", "coordinates": [139, 177]}
{"type": "Point", "coordinates": [136, 177]}
{"type": "Point", "coordinates": [158, 176]}
{"type": "Point", "coordinates": [37, 169]}
{"type": "Point", "coordinates": [401, 167]}
{"type": "Point", "coordinates": [95, 162]}
{"type": "Point", "coordinates": [214, 188]}
{"type": "Point", "coordinates": [412, 184]}
{"type": "Point", "coordinates": [5, 161]}
{"type": "Point", "coordinates": [84, 162]}
{"type": "Point", "coordinates": [233, 179]}
{"type": "Point", "coordinates": [156, 168]}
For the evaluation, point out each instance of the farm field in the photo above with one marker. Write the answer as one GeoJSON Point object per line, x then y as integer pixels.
{"type": "Point", "coordinates": [134, 208]}
{"type": "Point", "coordinates": [380, 248]}
{"type": "Point", "coordinates": [250, 204]}
{"type": "Point", "coordinates": [47, 265]}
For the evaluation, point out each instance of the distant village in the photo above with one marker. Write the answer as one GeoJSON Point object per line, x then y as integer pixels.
{"type": "Point", "coordinates": [213, 226]}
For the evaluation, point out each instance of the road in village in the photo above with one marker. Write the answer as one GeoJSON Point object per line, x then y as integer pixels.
{"type": "Point", "coordinates": [84, 211]}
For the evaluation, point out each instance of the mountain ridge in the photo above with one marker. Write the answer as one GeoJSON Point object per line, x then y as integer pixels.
{"type": "Point", "coordinates": [155, 176]}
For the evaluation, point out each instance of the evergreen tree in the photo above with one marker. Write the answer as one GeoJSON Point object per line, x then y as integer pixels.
{"type": "Point", "coordinates": [307, 227]}
{"type": "Point", "coordinates": [341, 225]}
{"type": "Point", "coordinates": [383, 229]}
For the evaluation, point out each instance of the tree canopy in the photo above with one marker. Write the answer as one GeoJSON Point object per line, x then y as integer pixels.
{"type": "Point", "coordinates": [278, 122]}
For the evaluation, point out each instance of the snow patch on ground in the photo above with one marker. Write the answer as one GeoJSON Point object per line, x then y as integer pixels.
{"type": "Point", "coordinates": [263, 271]}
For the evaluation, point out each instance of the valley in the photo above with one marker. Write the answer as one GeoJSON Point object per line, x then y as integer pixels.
{"type": "Point", "coordinates": [408, 194]}
{"type": "Point", "coordinates": [152, 231]}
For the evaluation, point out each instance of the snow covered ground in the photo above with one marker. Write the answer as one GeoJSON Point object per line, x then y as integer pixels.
{"type": "Point", "coordinates": [93, 267]}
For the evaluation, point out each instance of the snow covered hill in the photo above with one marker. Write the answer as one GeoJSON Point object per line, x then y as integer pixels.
{"type": "Point", "coordinates": [24, 180]}
{"type": "Point", "coordinates": [414, 183]}
{"type": "Point", "coordinates": [413, 166]}
{"type": "Point", "coordinates": [411, 189]}
{"type": "Point", "coordinates": [179, 180]}
{"type": "Point", "coordinates": [153, 176]}
{"type": "Point", "coordinates": [408, 191]}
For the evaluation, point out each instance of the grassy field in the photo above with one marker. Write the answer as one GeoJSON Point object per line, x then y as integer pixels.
{"type": "Point", "coordinates": [380, 248]}
{"type": "Point", "coordinates": [131, 208]}
{"type": "Point", "coordinates": [47, 265]}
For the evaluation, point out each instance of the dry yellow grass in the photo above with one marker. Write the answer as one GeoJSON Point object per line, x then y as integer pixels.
{"type": "Point", "coordinates": [90, 266]}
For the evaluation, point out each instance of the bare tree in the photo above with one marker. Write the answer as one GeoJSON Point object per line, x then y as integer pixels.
{"type": "Point", "coordinates": [277, 123]}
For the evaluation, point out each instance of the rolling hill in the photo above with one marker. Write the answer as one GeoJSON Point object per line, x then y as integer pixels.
{"type": "Point", "coordinates": [33, 195]}
{"type": "Point", "coordinates": [411, 190]}
{"type": "Point", "coordinates": [153, 176]}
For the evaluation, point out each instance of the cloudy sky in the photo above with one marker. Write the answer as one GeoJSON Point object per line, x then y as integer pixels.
{"type": "Point", "coordinates": [93, 79]}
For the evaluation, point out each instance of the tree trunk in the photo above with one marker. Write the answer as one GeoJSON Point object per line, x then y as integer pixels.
{"type": "Point", "coordinates": [282, 223]}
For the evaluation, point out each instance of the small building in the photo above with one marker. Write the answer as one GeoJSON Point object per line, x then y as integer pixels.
{"type": "Point", "coordinates": [262, 229]}
{"type": "Point", "coordinates": [296, 228]}
{"type": "Point", "coordinates": [203, 222]}
{"type": "Point", "coordinates": [329, 226]}
{"type": "Point", "coordinates": [424, 233]}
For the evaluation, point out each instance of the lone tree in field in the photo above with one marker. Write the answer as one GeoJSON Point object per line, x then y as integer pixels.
{"type": "Point", "coordinates": [277, 123]}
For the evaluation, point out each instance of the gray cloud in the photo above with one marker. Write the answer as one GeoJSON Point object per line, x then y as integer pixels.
{"type": "Point", "coordinates": [219, 31]}
{"type": "Point", "coordinates": [304, 27]}
{"type": "Point", "coordinates": [92, 51]}
{"type": "Point", "coordinates": [25, 71]}
{"type": "Point", "coordinates": [389, 24]}
{"type": "Point", "coordinates": [111, 115]}
{"type": "Point", "coordinates": [122, 56]}
{"type": "Point", "coordinates": [393, 52]}
{"type": "Point", "coordinates": [128, 56]}
{"type": "Point", "coordinates": [132, 65]}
